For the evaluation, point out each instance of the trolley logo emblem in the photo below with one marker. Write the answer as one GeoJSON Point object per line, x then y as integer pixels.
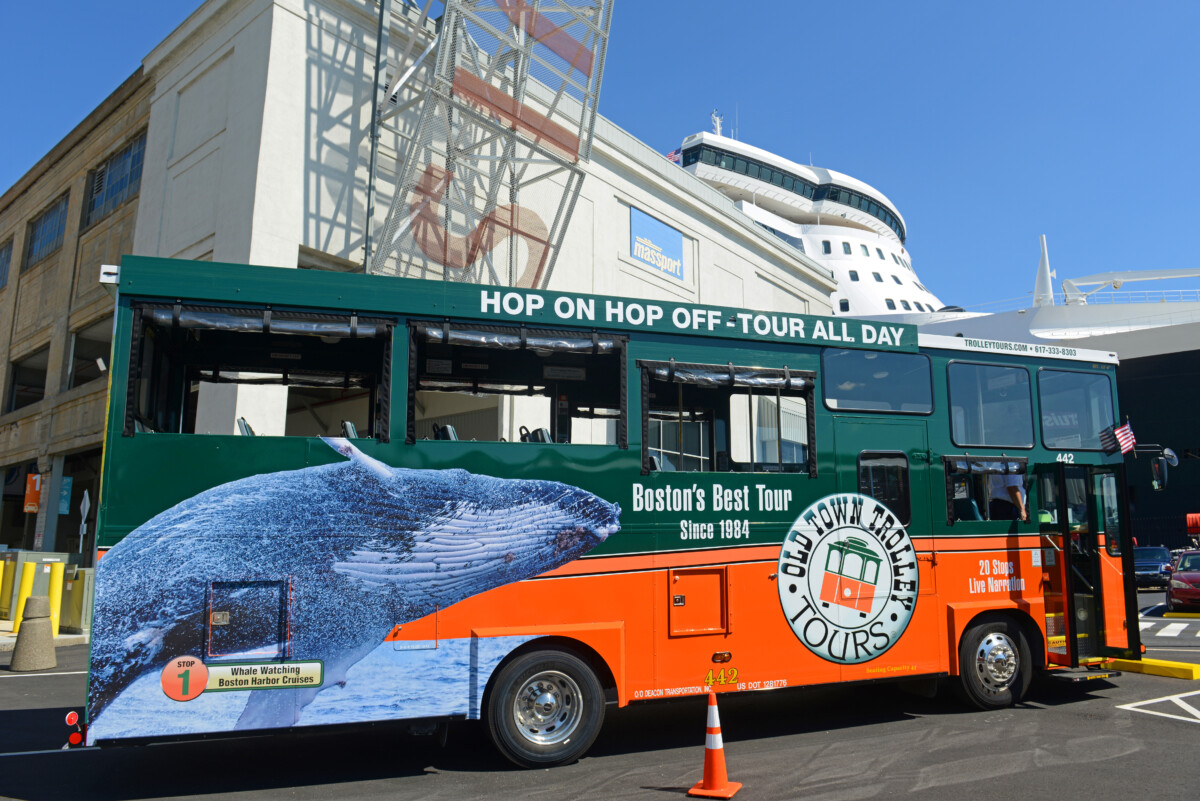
{"type": "Point", "coordinates": [848, 578]}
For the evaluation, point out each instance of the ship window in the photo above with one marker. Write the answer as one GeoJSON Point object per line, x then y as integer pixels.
{"type": "Point", "coordinates": [917, 303]}
{"type": "Point", "coordinates": [878, 277]}
{"type": "Point", "coordinates": [826, 247]}
{"type": "Point", "coordinates": [846, 248]}
{"type": "Point", "coordinates": [844, 305]}
{"type": "Point", "coordinates": [854, 275]}
{"type": "Point", "coordinates": [777, 178]}
{"type": "Point", "coordinates": [891, 304]}
{"type": "Point", "coordinates": [739, 165]}
{"type": "Point", "coordinates": [880, 252]}
{"type": "Point", "coordinates": [866, 251]}
{"type": "Point", "coordinates": [904, 304]}
{"type": "Point", "coordinates": [708, 156]}
{"type": "Point", "coordinates": [897, 280]}
{"type": "Point", "coordinates": [895, 259]}
{"type": "Point", "coordinates": [726, 161]}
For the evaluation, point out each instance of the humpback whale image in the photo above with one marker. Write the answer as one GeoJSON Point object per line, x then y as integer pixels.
{"type": "Point", "coordinates": [361, 546]}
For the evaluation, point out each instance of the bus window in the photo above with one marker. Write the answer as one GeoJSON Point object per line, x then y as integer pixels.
{"type": "Point", "coordinates": [509, 384]}
{"type": "Point", "coordinates": [972, 481]}
{"type": "Point", "coordinates": [724, 418]}
{"type": "Point", "coordinates": [226, 370]}
{"type": "Point", "coordinates": [990, 406]}
{"type": "Point", "coordinates": [875, 381]}
{"type": "Point", "coordinates": [1076, 407]}
{"type": "Point", "coordinates": [884, 476]}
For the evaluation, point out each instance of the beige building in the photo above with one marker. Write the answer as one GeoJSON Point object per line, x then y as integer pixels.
{"type": "Point", "coordinates": [75, 210]}
{"type": "Point", "coordinates": [253, 118]}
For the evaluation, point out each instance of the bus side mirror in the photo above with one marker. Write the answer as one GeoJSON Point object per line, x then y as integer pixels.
{"type": "Point", "coordinates": [1159, 467]}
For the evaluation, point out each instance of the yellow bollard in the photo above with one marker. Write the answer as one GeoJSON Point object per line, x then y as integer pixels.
{"type": "Point", "coordinates": [55, 593]}
{"type": "Point", "coordinates": [6, 581]}
{"type": "Point", "coordinates": [26, 590]}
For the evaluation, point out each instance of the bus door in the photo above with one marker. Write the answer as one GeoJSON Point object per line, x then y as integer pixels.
{"type": "Point", "coordinates": [1079, 511]}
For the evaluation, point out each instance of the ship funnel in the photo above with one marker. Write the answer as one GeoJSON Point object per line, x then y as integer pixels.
{"type": "Point", "coordinates": [1043, 290]}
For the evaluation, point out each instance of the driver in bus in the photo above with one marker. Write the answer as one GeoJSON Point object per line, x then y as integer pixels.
{"type": "Point", "coordinates": [1007, 498]}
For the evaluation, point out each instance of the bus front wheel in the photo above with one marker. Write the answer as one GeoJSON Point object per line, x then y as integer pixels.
{"type": "Point", "coordinates": [545, 709]}
{"type": "Point", "coordinates": [994, 663]}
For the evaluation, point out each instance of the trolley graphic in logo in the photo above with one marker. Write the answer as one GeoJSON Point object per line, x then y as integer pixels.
{"type": "Point", "coordinates": [848, 578]}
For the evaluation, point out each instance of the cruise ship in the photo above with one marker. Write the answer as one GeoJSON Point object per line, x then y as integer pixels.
{"type": "Point", "coordinates": [841, 222]}
{"type": "Point", "coordinates": [855, 231]}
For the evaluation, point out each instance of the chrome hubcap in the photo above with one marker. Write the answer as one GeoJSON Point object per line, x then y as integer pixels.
{"type": "Point", "coordinates": [548, 708]}
{"type": "Point", "coordinates": [996, 662]}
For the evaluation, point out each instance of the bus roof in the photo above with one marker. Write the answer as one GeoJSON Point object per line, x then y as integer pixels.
{"type": "Point", "coordinates": [172, 279]}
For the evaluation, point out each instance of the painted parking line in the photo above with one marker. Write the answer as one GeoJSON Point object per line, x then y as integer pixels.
{"type": "Point", "coordinates": [35, 675]}
{"type": "Point", "coordinates": [1172, 630]}
{"type": "Point", "coordinates": [1176, 707]}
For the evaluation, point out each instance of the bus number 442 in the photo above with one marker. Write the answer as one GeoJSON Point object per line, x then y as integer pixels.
{"type": "Point", "coordinates": [722, 676]}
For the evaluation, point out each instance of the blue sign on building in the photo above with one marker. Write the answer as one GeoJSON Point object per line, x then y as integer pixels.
{"type": "Point", "coordinates": [64, 495]}
{"type": "Point", "coordinates": [655, 243]}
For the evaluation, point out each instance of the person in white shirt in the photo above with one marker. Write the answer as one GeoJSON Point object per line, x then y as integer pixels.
{"type": "Point", "coordinates": [1007, 497]}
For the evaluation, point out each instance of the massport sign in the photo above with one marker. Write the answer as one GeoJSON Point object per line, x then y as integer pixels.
{"type": "Point", "coordinates": [549, 309]}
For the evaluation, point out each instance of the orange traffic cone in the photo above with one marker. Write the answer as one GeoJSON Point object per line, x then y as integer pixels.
{"type": "Point", "coordinates": [716, 782]}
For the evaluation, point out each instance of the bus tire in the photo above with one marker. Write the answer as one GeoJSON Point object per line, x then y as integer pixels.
{"type": "Point", "coordinates": [994, 663]}
{"type": "Point", "coordinates": [545, 709]}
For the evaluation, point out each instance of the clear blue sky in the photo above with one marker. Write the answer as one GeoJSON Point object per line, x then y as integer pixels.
{"type": "Point", "coordinates": [986, 124]}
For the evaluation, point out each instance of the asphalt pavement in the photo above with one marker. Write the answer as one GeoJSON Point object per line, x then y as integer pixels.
{"type": "Point", "coordinates": [1094, 739]}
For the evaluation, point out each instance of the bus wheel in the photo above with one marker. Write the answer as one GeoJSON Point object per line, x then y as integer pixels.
{"type": "Point", "coordinates": [545, 709]}
{"type": "Point", "coordinates": [994, 664]}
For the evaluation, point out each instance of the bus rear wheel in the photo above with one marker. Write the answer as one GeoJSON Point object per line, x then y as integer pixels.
{"type": "Point", "coordinates": [994, 663]}
{"type": "Point", "coordinates": [545, 709]}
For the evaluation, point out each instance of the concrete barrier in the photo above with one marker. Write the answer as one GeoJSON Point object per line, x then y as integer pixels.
{"type": "Point", "coordinates": [35, 642]}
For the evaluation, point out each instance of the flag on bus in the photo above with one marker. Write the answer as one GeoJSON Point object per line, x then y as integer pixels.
{"type": "Point", "coordinates": [1124, 436]}
{"type": "Point", "coordinates": [1116, 438]}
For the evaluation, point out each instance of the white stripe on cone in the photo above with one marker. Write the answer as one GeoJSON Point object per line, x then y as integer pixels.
{"type": "Point", "coordinates": [714, 720]}
{"type": "Point", "coordinates": [713, 742]}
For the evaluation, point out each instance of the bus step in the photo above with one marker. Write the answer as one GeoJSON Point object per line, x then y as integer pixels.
{"type": "Point", "coordinates": [1076, 676]}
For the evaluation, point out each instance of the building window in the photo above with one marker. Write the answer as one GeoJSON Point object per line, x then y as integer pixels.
{"type": "Point", "coordinates": [114, 181]}
{"type": "Point", "coordinates": [844, 305]}
{"type": "Point", "coordinates": [826, 247]}
{"type": "Point", "coordinates": [866, 251]}
{"type": "Point", "coordinates": [878, 277]}
{"type": "Point", "coordinates": [880, 252]}
{"type": "Point", "coordinates": [854, 275]}
{"type": "Point", "coordinates": [891, 304]}
{"type": "Point", "coordinates": [27, 383]}
{"type": "Point", "coordinates": [846, 248]}
{"type": "Point", "coordinates": [45, 233]}
{"type": "Point", "coordinates": [5, 261]}
{"type": "Point", "coordinates": [905, 306]}
{"type": "Point", "coordinates": [897, 280]}
{"type": "Point", "coordinates": [90, 347]}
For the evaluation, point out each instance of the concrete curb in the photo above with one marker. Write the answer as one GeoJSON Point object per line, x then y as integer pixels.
{"type": "Point", "coordinates": [1157, 667]}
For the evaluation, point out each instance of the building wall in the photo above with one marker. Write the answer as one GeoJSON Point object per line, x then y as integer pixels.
{"type": "Point", "coordinates": [45, 303]}
{"type": "Point", "coordinates": [257, 115]}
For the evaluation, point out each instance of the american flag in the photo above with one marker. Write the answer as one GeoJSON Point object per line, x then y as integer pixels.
{"type": "Point", "coordinates": [674, 155]}
{"type": "Point", "coordinates": [1125, 437]}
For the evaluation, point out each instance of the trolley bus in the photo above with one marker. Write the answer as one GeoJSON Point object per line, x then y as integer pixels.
{"type": "Point", "coordinates": [342, 498]}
